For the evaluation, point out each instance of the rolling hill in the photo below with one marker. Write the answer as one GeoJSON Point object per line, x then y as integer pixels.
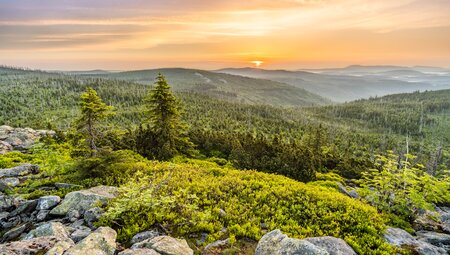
{"type": "Point", "coordinates": [351, 83]}
{"type": "Point", "coordinates": [224, 86]}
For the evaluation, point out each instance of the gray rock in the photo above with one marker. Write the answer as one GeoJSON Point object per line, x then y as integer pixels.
{"type": "Point", "coordinates": [92, 215]}
{"type": "Point", "coordinates": [100, 242]}
{"type": "Point", "coordinates": [9, 182]}
{"type": "Point", "coordinates": [437, 239]}
{"type": "Point", "coordinates": [276, 243]}
{"type": "Point", "coordinates": [7, 203]}
{"type": "Point", "coordinates": [33, 246]}
{"type": "Point", "coordinates": [401, 238]}
{"type": "Point", "coordinates": [84, 199]}
{"type": "Point", "coordinates": [139, 237]}
{"type": "Point", "coordinates": [25, 207]}
{"type": "Point", "coordinates": [80, 233]}
{"type": "Point", "coordinates": [217, 244]}
{"type": "Point", "coordinates": [166, 245]}
{"type": "Point", "coordinates": [49, 229]}
{"type": "Point", "coordinates": [19, 170]}
{"type": "Point", "coordinates": [139, 251]}
{"type": "Point", "coordinates": [73, 215]}
{"type": "Point", "coordinates": [47, 202]}
{"type": "Point", "coordinates": [15, 232]}
{"type": "Point", "coordinates": [60, 247]}
{"type": "Point", "coordinates": [42, 215]}
{"type": "Point", "coordinates": [333, 245]}
{"type": "Point", "coordinates": [4, 215]}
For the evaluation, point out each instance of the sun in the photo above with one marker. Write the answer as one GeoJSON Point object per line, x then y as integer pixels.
{"type": "Point", "coordinates": [257, 63]}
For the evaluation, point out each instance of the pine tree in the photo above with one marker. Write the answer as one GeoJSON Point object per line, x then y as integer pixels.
{"type": "Point", "coordinates": [93, 110]}
{"type": "Point", "coordinates": [165, 135]}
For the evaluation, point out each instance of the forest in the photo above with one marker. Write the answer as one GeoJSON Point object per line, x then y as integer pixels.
{"type": "Point", "coordinates": [215, 154]}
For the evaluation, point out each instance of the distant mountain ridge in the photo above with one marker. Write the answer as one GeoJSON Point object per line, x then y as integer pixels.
{"type": "Point", "coordinates": [353, 82]}
{"type": "Point", "coordinates": [224, 86]}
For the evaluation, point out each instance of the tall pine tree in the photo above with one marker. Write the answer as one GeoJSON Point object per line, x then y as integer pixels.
{"type": "Point", "coordinates": [93, 110]}
{"type": "Point", "coordinates": [164, 134]}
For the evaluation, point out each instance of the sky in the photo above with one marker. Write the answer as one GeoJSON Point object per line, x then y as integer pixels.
{"type": "Point", "coordinates": [212, 34]}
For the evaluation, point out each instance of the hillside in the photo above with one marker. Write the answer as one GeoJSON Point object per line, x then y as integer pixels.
{"type": "Point", "coordinates": [343, 85]}
{"type": "Point", "coordinates": [224, 86]}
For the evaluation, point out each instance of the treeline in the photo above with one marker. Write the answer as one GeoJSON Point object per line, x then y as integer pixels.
{"type": "Point", "coordinates": [293, 141]}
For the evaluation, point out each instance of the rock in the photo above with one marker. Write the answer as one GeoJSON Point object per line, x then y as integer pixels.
{"type": "Point", "coordinates": [100, 242]}
{"type": "Point", "coordinates": [353, 193]}
{"type": "Point", "coordinates": [334, 246]}
{"type": "Point", "coordinates": [166, 245]}
{"type": "Point", "coordinates": [25, 207]}
{"type": "Point", "coordinates": [15, 232]}
{"type": "Point", "coordinates": [7, 203]}
{"type": "Point", "coordinates": [4, 215]}
{"type": "Point", "coordinates": [92, 215]}
{"type": "Point", "coordinates": [33, 246]}
{"type": "Point", "coordinates": [56, 229]}
{"type": "Point", "coordinates": [42, 215]}
{"type": "Point", "coordinates": [276, 243]}
{"type": "Point", "coordinates": [217, 244]}
{"type": "Point", "coordinates": [401, 238]}
{"type": "Point", "coordinates": [19, 170]}
{"type": "Point", "coordinates": [83, 200]}
{"type": "Point", "coordinates": [398, 237]}
{"type": "Point", "coordinates": [426, 221]}
{"type": "Point", "coordinates": [437, 239]}
{"type": "Point", "coordinates": [10, 182]}
{"type": "Point", "coordinates": [47, 202]}
{"type": "Point", "coordinates": [139, 251]}
{"type": "Point", "coordinates": [73, 215]}
{"type": "Point", "coordinates": [60, 247]}
{"type": "Point", "coordinates": [139, 237]}
{"type": "Point", "coordinates": [61, 185]}
{"type": "Point", "coordinates": [80, 233]}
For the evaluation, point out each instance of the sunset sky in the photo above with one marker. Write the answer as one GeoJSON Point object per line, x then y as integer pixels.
{"type": "Point", "coordinates": [210, 34]}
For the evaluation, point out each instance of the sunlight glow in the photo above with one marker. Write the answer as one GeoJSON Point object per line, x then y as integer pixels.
{"type": "Point", "coordinates": [257, 63]}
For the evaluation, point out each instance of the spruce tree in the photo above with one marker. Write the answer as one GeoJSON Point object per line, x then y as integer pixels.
{"type": "Point", "coordinates": [165, 134]}
{"type": "Point", "coordinates": [93, 110]}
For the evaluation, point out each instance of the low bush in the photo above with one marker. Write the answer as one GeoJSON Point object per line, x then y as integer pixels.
{"type": "Point", "coordinates": [199, 196]}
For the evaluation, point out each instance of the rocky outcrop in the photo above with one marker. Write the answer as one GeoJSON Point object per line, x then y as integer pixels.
{"type": "Point", "coordinates": [33, 246]}
{"type": "Point", "coordinates": [100, 242]}
{"type": "Point", "coordinates": [12, 177]}
{"type": "Point", "coordinates": [83, 200]}
{"type": "Point", "coordinates": [56, 229]}
{"type": "Point", "coordinates": [333, 245]}
{"type": "Point", "coordinates": [401, 238]}
{"type": "Point", "coordinates": [20, 138]}
{"type": "Point", "coordinates": [276, 243]}
{"type": "Point", "coordinates": [165, 245]}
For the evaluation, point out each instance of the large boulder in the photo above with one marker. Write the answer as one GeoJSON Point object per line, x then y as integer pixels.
{"type": "Point", "coordinates": [333, 245]}
{"type": "Point", "coordinates": [56, 229]}
{"type": "Point", "coordinates": [83, 200]}
{"type": "Point", "coordinates": [19, 170]}
{"type": "Point", "coordinates": [276, 243]}
{"type": "Point", "coordinates": [100, 242]}
{"type": "Point", "coordinates": [165, 245]}
{"type": "Point", "coordinates": [33, 246]}
{"type": "Point", "coordinates": [401, 238]}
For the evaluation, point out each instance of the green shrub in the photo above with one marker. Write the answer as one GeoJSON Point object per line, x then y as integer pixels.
{"type": "Point", "coordinates": [196, 197]}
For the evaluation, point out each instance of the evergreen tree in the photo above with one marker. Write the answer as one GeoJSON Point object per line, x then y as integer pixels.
{"type": "Point", "coordinates": [165, 134]}
{"type": "Point", "coordinates": [93, 110]}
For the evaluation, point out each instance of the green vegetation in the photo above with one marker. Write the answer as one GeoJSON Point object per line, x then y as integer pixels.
{"type": "Point", "coordinates": [93, 110]}
{"type": "Point", "coordinates": [163, 135]}
{"type": "Point", "coordinates": [199, 189]}
{"type": "Point", "coordinates": [196, 196]}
